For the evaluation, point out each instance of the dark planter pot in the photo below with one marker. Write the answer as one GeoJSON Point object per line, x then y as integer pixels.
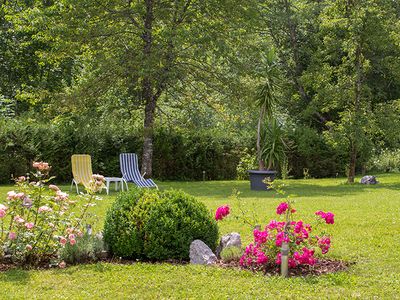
{"type": "Point", "coordinates": [257, 178]}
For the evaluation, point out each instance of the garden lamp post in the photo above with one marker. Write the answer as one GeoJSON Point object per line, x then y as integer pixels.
{"type": "Point", "coordinates": [284, 259]}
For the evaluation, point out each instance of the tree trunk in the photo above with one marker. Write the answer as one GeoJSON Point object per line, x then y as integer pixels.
{"type": "Point", "coordinates": [261, 163]}
{"type": "Point", "coordinates": [147, 93]}
{"type": "Point", "coordinates": [353, 161]}
{"type": "Point", "coordinates": [354, 121]}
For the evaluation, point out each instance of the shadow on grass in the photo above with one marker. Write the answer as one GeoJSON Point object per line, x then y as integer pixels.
{"type": "Point", "coordinates": [17, 276]}
{"type": "Point", "coordinates": [304, 188]}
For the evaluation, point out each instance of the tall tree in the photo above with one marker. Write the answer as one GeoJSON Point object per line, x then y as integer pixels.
{"type": "Point", "coordinates": [150, 45]}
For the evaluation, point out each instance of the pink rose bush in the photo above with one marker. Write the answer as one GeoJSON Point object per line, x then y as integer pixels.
{"type": "Point", "coordinates": [265, 251]}
{"type": "Point", "coordinates": [38, 219]}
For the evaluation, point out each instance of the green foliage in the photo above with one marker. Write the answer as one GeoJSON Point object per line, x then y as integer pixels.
{"type": "Point", "coordinates": [179, 155]}
{"type": "Point", "coordinates": [88, 248]}
{"type": "Point", "coordinates": [386, 161]}
{"type": "Point", "coordinates": [157, 225]}
{"type": "Point", "coordinates": [231, 253]}
{"type": "Point", "coordinates": [316, 153]}
{"type": "Point", "coordinates": [247, 162]}
{"type": "Point", "coordinates": [125, 220]}
{"type": "Point", "coordinates": [174, 222]}
{"type": "Point", "coordinates": [274, 146]}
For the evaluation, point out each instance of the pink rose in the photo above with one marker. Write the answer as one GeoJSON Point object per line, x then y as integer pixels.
{"type": "Point", "coordinates": [41, 166]}
{"type": "Point", "coordinates": [222, 212]}
{"type": "Point", "coordinates": [14, 196]}
{"type": "Point", "coordinates": [62, 265]}
{"type": "Point", "coordinates": [18, 219]}
{"type": "Point", "coordinates": [63, 241]}
{"type": "Point", "coordinates": [44, 208]}
{"type": "Point", "coordinates": [327, 216]}
{"type": "Point", "coordinates": [282, 208]}
{"type": "Point", "coordinates": [60, 196]}
{"type": "Point", "coordinates": [29, 225]}
{"type": "Point", "coordinates": [28, 247]}
{"type": "Point", "coordinates": [54, 187]}
{"type": "Point", "coordinates": [12, 235]}
{"type": "Point", "coordinates": [72, 242]}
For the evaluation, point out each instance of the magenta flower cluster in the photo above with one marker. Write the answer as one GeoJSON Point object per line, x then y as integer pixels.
{"type": "Point", "coordinates": [265, 250]}
{"type": "Point", "coordinates": [327, 216]}
{"type": "Point", "coordinates": [222, 212]}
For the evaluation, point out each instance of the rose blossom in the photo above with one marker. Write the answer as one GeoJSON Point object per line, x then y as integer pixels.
{"type": "Point", "coordinates": [44, 208]}
{"type": "Point", "coordinates": [14, 196]}
{"type": "Point", "coordinates": [41, 166]}
{"type": "Point", "coordinates": [282, 208]}
{"type": "Point", "coordinates": [28, 247]}
{"type": "Point", "coordinates": [60, 196]}
{"type": "Point", "coordinates": [327, 216]}
{"type": "Point", "coordinates": [54, 187]}
{"type": "Point", "coordinates": [62, 265]}
{"type": "Point", "coordinates": [222, 212]}
{"type": "Point", "coordinates": [3, 210]}
{"type": "Point", "coordinates": [29, 225]}
{"type": "Point", "coordinates": [72, 242]}
{"type": "Point", "coordinates": [18, 219]}
{"type": "Point", "coordinates": [63, 240]}
{"type": "Point", "coordinates": [21, 178]}
{"type": "Point", "coordinates": [12, 235]}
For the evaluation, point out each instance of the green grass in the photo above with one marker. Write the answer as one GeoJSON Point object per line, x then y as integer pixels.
{"type": "Point", "coordinates": [366, 231]}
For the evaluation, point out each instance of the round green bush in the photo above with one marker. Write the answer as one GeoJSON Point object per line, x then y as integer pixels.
{"type": "Point", "coordinates": [157, 225]}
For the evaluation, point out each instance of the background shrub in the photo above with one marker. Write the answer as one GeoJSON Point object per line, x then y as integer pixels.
{"type": "Point", "coordinates": [386, 161]}
{"type": "Point", "coordinates": [157, 225]}
{"type": "Point", "coordinates": [178, 154]}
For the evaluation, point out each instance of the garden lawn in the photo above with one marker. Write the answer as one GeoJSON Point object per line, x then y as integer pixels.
{"type": "Point", "coordinates": [366, 232]}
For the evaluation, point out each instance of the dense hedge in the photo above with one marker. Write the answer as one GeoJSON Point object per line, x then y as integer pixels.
{"type": "Point", "coordinates": [178, 155]}
{"type": "Point", "coordinates": [157, 225]}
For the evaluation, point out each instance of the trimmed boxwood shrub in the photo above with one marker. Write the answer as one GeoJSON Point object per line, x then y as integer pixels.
{"type": "Point", "coordinates": [155, 225]}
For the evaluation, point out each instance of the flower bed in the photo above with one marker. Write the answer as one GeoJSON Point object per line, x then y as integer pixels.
{"type": "Point", "coordinates": [303, 241]}
{"type": "Point", "coordinates": [38, 219]}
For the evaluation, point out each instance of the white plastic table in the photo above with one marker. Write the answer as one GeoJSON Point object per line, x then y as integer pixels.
{"type": "Point", "coordinates": [118, 181]}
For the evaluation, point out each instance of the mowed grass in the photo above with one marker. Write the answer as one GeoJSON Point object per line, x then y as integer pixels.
{"type": "Point", "coordinates": [366, 232]}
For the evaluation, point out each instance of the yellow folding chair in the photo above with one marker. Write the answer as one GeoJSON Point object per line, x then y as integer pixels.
{"type": "Point", "coordinates": [81, 170]}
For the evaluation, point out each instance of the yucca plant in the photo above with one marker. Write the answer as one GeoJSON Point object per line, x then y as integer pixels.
{"type": "Point", "coordinates": [273, 152]}
{"type": "Point", "coordinates": [266, 100]}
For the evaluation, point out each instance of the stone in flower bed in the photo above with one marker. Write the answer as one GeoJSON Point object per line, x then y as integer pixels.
{"type": "Point", "coordinates": [201, 254]}
{"type": "Point", "coordinates": [229, 240]}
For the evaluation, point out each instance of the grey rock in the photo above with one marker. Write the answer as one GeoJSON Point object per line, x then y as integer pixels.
{"type": "Point", "coordinates": [201, 254]}
{"type": "Point", "coordinates": [229, 240]}
{"type": "Point", "coordinates": [368, 180]}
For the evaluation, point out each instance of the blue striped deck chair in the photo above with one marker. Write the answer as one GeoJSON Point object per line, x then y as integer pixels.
{"type": "Point", "coordinates": [130, 171]}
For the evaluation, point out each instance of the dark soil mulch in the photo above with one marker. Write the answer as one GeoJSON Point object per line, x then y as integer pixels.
{"type": "Point", "coordinates": [322, 266]}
